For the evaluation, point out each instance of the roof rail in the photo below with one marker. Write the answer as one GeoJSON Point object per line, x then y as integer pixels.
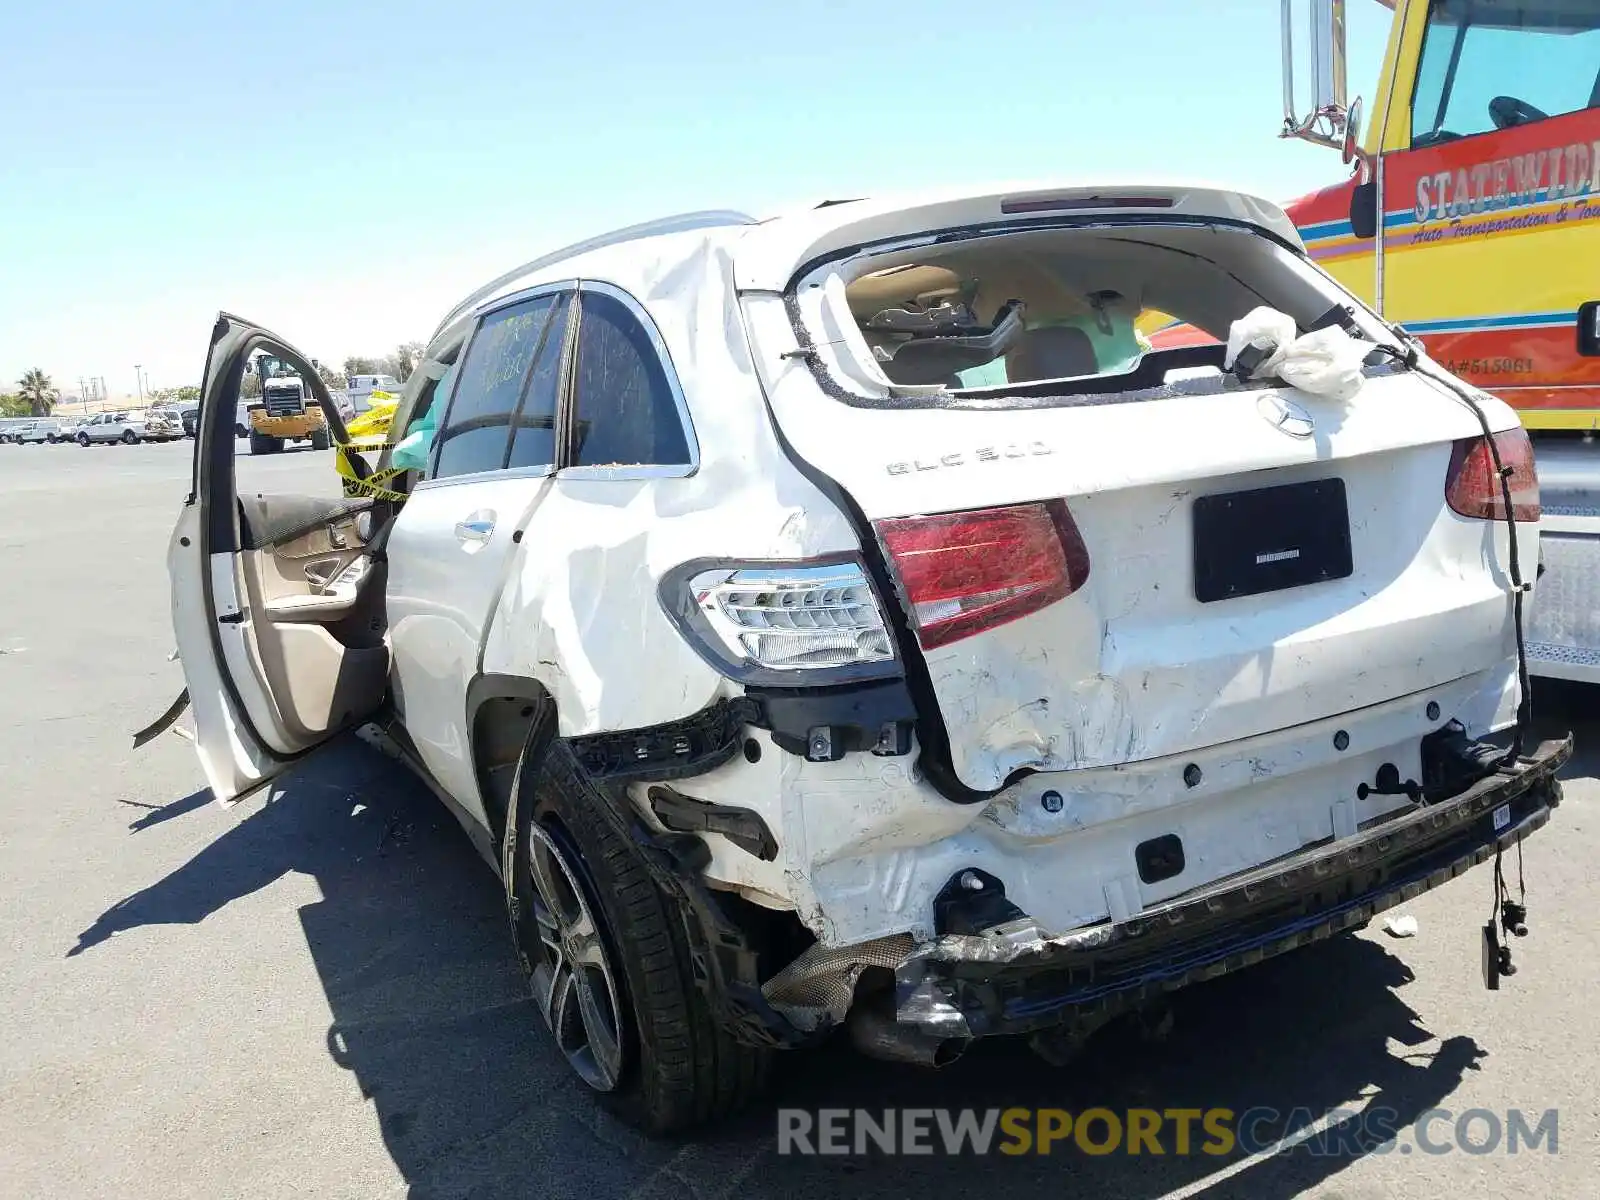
{"type": "Point", "coordinates": [681, 223]}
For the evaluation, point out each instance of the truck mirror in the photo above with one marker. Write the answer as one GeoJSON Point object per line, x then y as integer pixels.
{"type": "Point", "coordinates": [1327, 54]}
{"type": "Point", "coordinates": [1326, 123]}
{"type": "Point", "coordinates": [1352, 132]}
{"type": "Point", "coordinates": [1364, 209]}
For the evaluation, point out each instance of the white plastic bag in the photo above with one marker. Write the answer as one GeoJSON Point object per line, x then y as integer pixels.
{"type": "Point", "coordinates": [1326, 362]}
{"type": "Point", "coordinates": [1261, 329]}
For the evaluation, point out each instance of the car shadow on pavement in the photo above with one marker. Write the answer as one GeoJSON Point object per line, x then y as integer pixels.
{"type": "Point", "coordinates": [431, 1016]}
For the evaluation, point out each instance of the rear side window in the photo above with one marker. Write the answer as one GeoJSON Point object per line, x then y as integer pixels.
{"type": "Point", "coordinates": [625, 411]}
{"type": "Point", "coordinates": [477, 427]}
{"type": "Point", "coordinates": [533, 436]}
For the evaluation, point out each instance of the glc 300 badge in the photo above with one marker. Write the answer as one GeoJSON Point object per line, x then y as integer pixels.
{"type": "Point", "coordinates": [982, 454]}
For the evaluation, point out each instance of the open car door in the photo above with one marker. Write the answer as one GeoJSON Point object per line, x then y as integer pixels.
{"type": "Point", "coordinates": [277, 599]}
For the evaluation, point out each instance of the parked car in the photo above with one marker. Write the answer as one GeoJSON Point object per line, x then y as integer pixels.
{"type": "Point", "coordinates": [361, 390]}
{"type": "Point", "coordinates": [107, 427]}
{"type": "Point", "coordinates": [163, 424]}
{"type": "Point", "coordinates": [828, 621]}
{"type": "Point", "coordinates": [188, 414]}
{"type": "Point", "coordinates": [67, 427]}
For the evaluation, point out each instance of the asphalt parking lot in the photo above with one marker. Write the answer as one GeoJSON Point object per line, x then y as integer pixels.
{"type": "Point", "coordinates": [315, 994]}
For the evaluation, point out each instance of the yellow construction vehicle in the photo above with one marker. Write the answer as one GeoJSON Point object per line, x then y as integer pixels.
{"type": "Point", "coordinates": [285, 411]}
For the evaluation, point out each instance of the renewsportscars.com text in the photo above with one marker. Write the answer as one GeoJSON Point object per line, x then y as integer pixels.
{"type": "Point", "coordinates": [1217, 1132]}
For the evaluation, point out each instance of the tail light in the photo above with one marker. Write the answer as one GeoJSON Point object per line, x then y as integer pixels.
{"type": "Point", "coordinates": [966, 572]}
{"type": "Point", "coordinates": [1473, 489]}
{"type": "Point", "coordinates": [811, 623]}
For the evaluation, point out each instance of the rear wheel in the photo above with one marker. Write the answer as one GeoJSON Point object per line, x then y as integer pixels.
{"type": "Point", "coordinates": [129, 437]}
{"type": "Point", "coordinates": [608, 958]}
{"type": "Point", "coordinates": [320, 439]}
{"type": "Point", "coordinates": [260, 443]}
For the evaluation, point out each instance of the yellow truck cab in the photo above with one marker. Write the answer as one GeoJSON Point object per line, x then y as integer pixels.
{"type": "Point", "coordinates": [285, 411]}
{"type": "Point", "coordinates": [1472, 220]}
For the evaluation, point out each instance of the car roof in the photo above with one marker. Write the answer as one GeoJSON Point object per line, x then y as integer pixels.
{"type": "Point", "coordinates": [766, 253]}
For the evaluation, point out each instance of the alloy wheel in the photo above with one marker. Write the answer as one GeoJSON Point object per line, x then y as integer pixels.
{"type": "Point", "coordinates": [574, 979]}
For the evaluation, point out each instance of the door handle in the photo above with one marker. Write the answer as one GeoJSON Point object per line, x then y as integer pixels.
{"type": "Point", "coordinates": [476, 529]}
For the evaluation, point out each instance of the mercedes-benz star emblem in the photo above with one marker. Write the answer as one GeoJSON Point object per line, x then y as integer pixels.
{"type": "Point", "coordinates": [1286, 415]}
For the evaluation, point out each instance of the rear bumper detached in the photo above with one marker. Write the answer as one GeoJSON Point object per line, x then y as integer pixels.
{"type": "Point", "coordinates": [1013, 978]}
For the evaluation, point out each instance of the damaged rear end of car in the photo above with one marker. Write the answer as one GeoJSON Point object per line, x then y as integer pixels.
{"type": "Point", "coordinates": [1203, 665]}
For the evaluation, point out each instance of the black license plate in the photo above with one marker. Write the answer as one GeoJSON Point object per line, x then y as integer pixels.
{"type": "Point", "coordinates": [1268, 539]}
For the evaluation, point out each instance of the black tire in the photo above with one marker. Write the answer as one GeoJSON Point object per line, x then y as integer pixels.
{"type": "Point", "coordinates": [260, 443]}
{"type": "Point", "coordinates": [129, 437]}
{"type": "Point", "coordinates": [240, 431]}
{"type": "Point", "coordinates": [679, 1068]}
{"type": "Point", "coordinates": [321, 439]}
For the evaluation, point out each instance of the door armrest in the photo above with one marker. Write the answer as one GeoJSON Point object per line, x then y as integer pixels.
{"type": "Point", "coordinates": [326, 606]}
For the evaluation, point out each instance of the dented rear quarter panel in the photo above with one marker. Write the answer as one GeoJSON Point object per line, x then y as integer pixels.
{"type": "Point", "coordinates": [622, 664]}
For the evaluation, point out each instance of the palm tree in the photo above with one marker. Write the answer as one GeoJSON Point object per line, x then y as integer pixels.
{"type": "Point", "coordinates": [35, 387]}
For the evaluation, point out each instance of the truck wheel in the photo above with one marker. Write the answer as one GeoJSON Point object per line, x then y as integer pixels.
{"type": "Point", "coordinates": [129, 437]}
{"type": "Point", "coordinates": [260, 443]}
{"type": "Point", "coordinates": [240, 431]}
{"type": "Point", "coordinates": [609, 958]}
{"type": "Point", "coordinates": [83, 440]}
{"type": "Point", "coordinates": [320, 439]}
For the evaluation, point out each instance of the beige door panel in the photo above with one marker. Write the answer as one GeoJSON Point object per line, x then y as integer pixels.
{"type": "Point", "coordinates": [305, 563]}
{"type": "Point", "coordinates": [321, 650]}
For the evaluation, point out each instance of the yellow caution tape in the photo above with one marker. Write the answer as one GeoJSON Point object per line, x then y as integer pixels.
{"type": "Point", "coordinates": [372, 485]}
{"type": "Point", "coordinates": [370, 433]}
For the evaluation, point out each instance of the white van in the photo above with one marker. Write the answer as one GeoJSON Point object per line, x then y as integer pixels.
{"type": "Point", "coordinates": [361, 387]}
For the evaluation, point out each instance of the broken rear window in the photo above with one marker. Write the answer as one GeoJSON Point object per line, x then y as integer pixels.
{"type": "Point", "coordinates": [1104, 309]}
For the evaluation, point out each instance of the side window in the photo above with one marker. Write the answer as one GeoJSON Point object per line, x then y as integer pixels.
{"type": "Point", "coordinates": [625, 411]}
{"type": "Point", "coordinates": [493, 377]}
{"type": "Point", "coordinates": [533, 425]}
{"type": "Point", "coordinates": [1490, 65]}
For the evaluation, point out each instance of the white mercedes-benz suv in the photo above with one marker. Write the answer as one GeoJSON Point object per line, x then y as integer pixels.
{"type": "Point", "coordinates": [865, 618]}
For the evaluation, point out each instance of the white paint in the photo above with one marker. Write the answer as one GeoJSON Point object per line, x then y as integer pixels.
{"type": "Point", "coordinates": [441, 593]}
{"type": "Point", "coordinates": [580, 611]}
{"type": "Point", "coordinates": [1132, 666]}
{"type": "Point", "coordinates": [233, 760]}
{"type": "Point", "coordinates": [1109, 694]}
{"type": "Point", "coordinates": [865, 845]}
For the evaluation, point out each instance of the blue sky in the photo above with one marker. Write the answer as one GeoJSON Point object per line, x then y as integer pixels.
{"type": "Point", "coordinates": [343, 171]}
